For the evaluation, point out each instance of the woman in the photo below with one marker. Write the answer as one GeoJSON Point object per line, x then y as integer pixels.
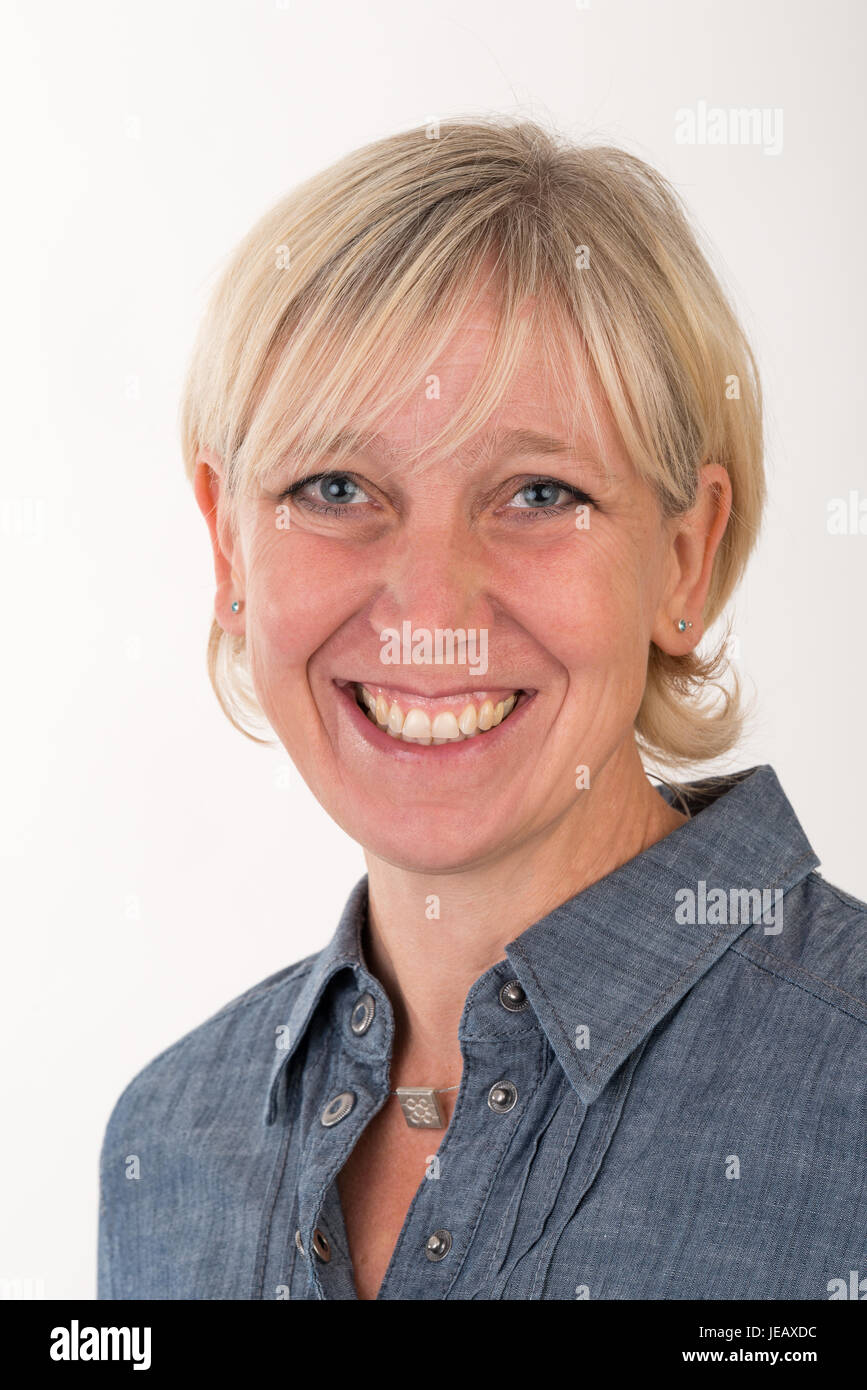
{"type": "Point", "coordinates": [477, 438]}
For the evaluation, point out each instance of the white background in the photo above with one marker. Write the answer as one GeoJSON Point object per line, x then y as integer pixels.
{"type": "Point", "coordinates": [155, 863]}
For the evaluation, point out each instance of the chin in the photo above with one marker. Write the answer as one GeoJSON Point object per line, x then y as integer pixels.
{"type": "Point", "coordinates": [426, 840]}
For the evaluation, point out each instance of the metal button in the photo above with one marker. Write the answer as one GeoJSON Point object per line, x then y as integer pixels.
{"type": "Point", "coordinates": [321, 1246]}
{"type": "Point", "coordinates": [502, 1096]}
{"type": "Point", "coordinates": [362, 1015]}
{"type": "Point", "coordinates": [337, 1108]}
{"type": "Point", "coordinates": [300, 1243]}
{"type": "Point", "coordinates": [438, 1245]}
{"type": "Point", "coordinates": [513, 998]}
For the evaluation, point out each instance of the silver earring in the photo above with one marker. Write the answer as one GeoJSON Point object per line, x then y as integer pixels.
{"type": "Point", "coordinates": [235, 606]}
{"type": "Point", "coordinates": [682, 625]}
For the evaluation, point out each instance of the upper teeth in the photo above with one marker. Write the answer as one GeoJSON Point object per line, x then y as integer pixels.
{"type": "Point", "coordinates": [468, 717]}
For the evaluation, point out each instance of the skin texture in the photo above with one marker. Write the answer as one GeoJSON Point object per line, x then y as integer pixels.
{"type": "Point", "coordinates": [496, 829]}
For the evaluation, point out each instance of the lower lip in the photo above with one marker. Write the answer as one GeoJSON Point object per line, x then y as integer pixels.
{"type": "Point", "coordinates": [431, 753]}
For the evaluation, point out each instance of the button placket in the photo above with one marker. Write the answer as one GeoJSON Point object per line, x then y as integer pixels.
{"type": "Point", "coordinates": [351, 1084]}
{"type": "Point", "coordinates": [341, 1113]}
{"type": "Point", "coordinates": [432, 1249]}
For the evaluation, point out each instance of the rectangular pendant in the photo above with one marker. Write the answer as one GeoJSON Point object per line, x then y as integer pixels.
{"type": "Point", "coordinates": [421, 1107]}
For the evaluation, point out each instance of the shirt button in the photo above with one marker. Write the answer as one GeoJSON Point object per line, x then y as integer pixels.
{"type": "Point", "coordinates": [299, 1242]}
{"type": "Point", "coordinates": [438, 1245]}
{"type": "Point", "coordinates": [337, 1108]}
{"type": "Point", "coordinates": [502, 1097]}
{"type": "Point", "coordinates": [513, 998]}
{"type": "Point", "coordinates": [362, 1015]}
{"type": "Point", "coordinates": [321, 1246]}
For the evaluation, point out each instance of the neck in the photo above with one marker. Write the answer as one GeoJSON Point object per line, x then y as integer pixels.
{"type": "Point", "coordinates": [427, 962]}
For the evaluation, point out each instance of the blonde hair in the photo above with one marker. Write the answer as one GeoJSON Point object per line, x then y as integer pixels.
{"type": "Point", "coordinates": [329, 312]}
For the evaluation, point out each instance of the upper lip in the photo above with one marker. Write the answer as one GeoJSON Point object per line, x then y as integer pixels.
{"type": "Point", "coordinates": [441, 693]}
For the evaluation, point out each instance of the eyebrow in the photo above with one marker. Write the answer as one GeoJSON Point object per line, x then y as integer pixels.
{"type": "Point", "coordinates": [518, 443]}
{"type": "Point", "coordinates": [349, 441]}
{"type": "Point", "coordinates": [511, 443]}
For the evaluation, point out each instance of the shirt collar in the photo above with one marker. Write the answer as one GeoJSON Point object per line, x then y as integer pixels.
{"type": "Point", "coordinates": [614, 960]}
{"type": "Point", "coordinates": [343, 951]}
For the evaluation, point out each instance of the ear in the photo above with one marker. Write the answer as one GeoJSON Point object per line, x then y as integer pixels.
{"type": "Point", "coordinates": [209, 490]}
{"type": "Point", "coordinates": [695, 538]}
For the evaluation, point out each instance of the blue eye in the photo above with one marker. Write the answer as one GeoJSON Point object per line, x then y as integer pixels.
{"type": "Point", "coordinates": [335, 488]}
{"type": "Point", "coordinates": [541, 493]}
{"type": "Point", "coordinates": [546, 497]}
{"type": "Point", "coordinates": [328, 492]}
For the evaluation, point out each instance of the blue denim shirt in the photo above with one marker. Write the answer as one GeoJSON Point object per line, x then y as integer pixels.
{"type": "Point", "coordinates": [689, 1069]}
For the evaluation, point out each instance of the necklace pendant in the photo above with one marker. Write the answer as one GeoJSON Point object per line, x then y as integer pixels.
{"type": "Point", "coordinates": [421, 1107]}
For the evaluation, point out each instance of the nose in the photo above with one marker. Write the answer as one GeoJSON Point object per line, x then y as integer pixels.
{"type": "Point", "coordinates": [434, 577]}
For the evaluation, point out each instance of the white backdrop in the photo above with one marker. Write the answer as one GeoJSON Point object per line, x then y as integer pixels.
{"type": "Point", "coordinates": [155, 863]}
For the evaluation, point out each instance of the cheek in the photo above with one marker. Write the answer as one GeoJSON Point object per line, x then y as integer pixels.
{"type": "Point", "coordinates": [590, 602]}
{"type": "Point", "coordinates": [298, 593]}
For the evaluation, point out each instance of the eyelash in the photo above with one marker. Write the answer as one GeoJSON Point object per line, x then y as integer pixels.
{"type": "Point", "coordinates": [577, 497]}
{"type": "Point", "coordinates": [324, 509]}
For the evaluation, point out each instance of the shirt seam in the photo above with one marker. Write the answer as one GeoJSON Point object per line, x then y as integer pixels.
{"type": "Point", "coordinates": [270, 1208]}
{"type": "Point", "coordinates": [854, 904]}
{"type": "Point", "coordinates": [579, 1117]}
{"type": "Point", "coordinates": [106, 1252]}
{"type": "Point", "coordinates": [779, 973]}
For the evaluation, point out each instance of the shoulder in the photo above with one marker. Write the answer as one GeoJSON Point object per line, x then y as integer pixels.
{"type": "Point", "coordinates": [248, 1022]}
{"type": "Point", "coordinates": [817, 944]}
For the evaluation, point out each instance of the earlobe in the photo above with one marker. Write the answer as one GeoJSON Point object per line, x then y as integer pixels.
{"type": "Point", "coordinates": [671, 634]}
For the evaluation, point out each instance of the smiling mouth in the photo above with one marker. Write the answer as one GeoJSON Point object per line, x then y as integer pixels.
{"type": "Point", "coordinates": [411, 718]}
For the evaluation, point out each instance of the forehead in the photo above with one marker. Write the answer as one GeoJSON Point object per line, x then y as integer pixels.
{"type": "Point", "coordinates": [474, 332]}
{"type": "Point", "coordinates": [537, 415]}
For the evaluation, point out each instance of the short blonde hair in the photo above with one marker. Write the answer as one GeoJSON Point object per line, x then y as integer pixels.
{"type": "Point", "coordinates": [332, 307]}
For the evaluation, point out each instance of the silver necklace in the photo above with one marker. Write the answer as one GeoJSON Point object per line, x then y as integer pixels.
{"type": "Point", "coordinates": [420, 1106]}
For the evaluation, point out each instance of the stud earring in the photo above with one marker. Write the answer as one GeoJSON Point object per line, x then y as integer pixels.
{"type": "Point", "coordinates": [235, 606]}
{"type": "Point", "coordinates": [682, 625]}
